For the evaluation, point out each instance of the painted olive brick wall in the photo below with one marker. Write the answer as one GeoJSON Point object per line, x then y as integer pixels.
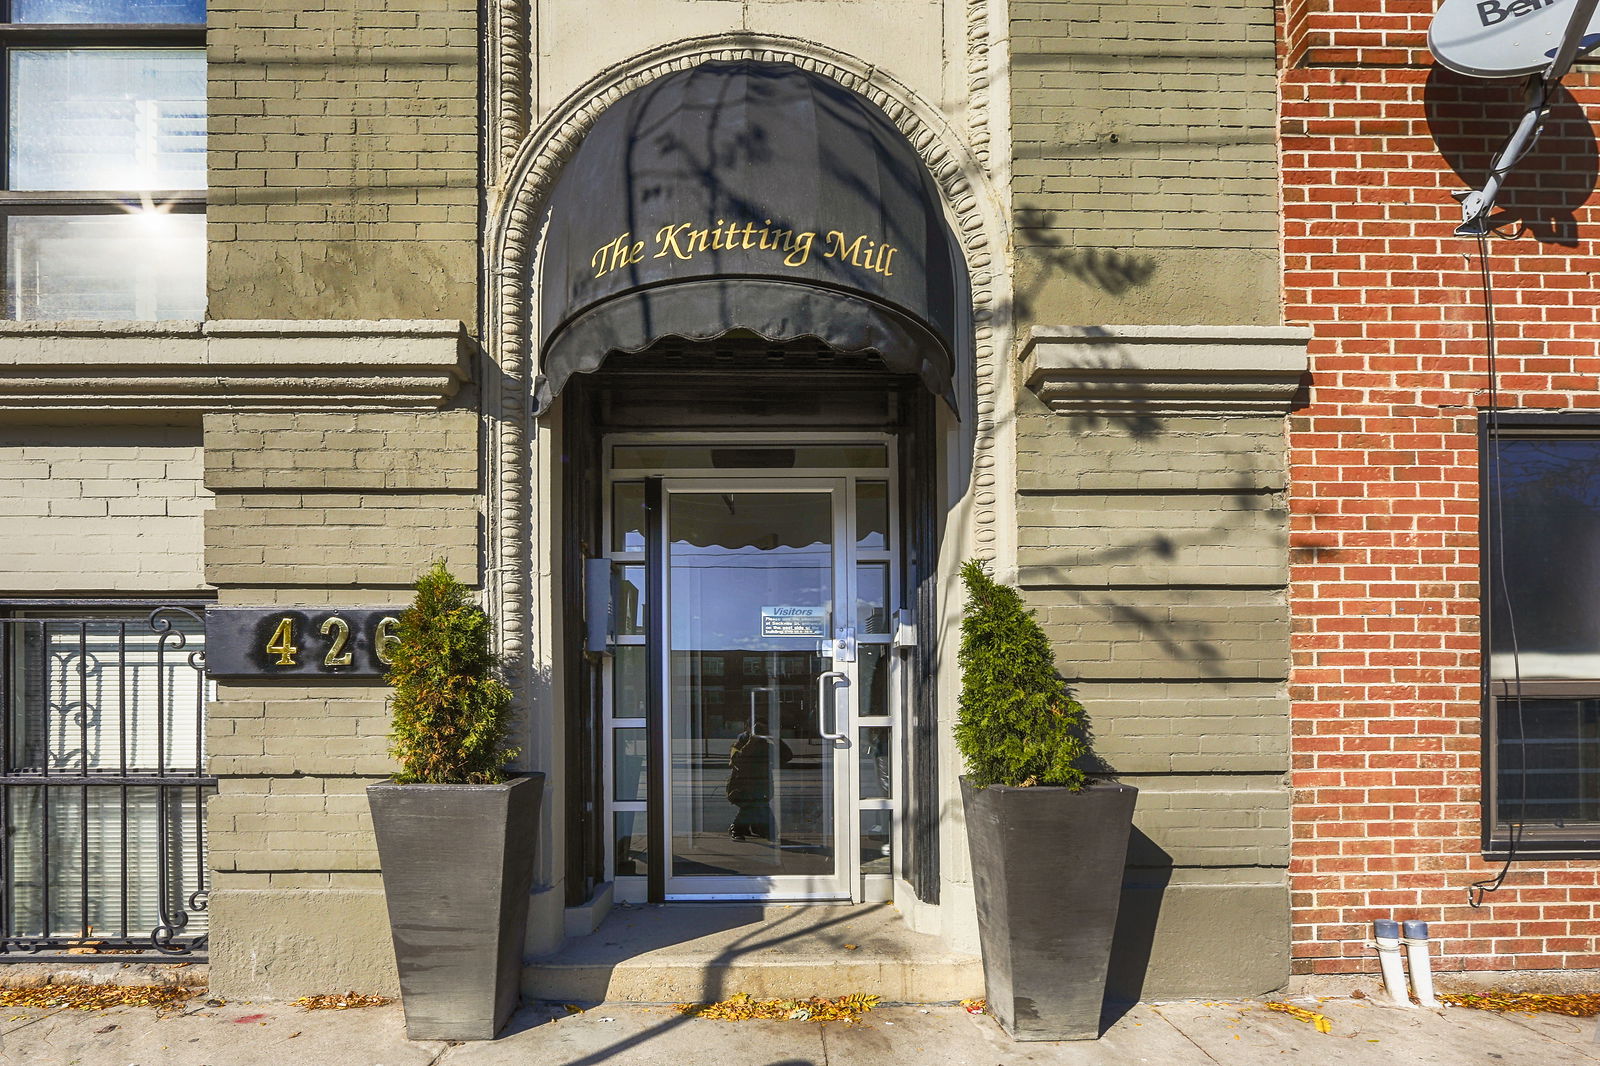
{"type": "Point", "coordinates": [1144, 181]}
{"type": "Point", "coordinates": [290, 539]}
{"type": "Point", "coordinates": [336, 509]}
{"type": "Point", "coordinates": [306, 500]}
{"type": "Point", "coordinates": [100, 509]}
{"type": "Point", "coordinates": [343, 159]}
{"type": "Point", "coordinates": [398, 450]}
{"type": "Point", "coordinates": [1153, 549]}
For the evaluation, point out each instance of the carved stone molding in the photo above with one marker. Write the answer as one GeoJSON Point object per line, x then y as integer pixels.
{"type": "Point", "coordinates": [512, 251]}
{"type": "Point", "coordinates": [978, 78]}
{"type": "Point", "coordinates": [510, 75]}
{"type": "Point", "coordinates": [1131, 370]}
{"type": "Point", "coordinates": [223, 365]}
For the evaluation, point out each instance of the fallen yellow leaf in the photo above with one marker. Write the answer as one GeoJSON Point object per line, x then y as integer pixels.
{"type": "Point", "coordinates": [742, 1007]}
{"type": "Point", "coordinates": [1318, 1021]}
{"type": "Point", "coordinates": [1574, 1004]}
{"type": "Point", "coordinates": [347, 1001]}
{"type": "Point", "coordinates": [98, 997]}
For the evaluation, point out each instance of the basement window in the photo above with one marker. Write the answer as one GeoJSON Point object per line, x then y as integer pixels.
{"type": "Point", "coordinates": [103, 780]}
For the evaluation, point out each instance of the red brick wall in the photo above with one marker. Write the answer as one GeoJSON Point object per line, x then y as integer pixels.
{"type": "Point", "coordinates": [1384, 526]}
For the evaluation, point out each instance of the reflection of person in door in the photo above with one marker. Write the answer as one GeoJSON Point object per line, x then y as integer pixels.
{"type": "Point", "coordinates": [751, 764]}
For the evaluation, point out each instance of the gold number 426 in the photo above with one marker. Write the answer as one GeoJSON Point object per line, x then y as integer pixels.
{"type": "Point", "coordinates": [281, 643]}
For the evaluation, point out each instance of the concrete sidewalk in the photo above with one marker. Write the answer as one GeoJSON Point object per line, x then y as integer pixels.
{"type": "Point", "coordinates": [1166, 1034]}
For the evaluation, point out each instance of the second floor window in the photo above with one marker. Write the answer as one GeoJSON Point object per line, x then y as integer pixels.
{"type": "Point", "coordinates": [104, 199]}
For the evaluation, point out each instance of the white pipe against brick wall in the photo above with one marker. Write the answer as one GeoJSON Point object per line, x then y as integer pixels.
{"type": "Point", "coordinates": [1387, 934]}
{"type": "Point", "coordinates": [1419, 963]}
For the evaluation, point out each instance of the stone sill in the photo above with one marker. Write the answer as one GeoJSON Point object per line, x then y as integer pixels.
{"type": "Point", "coordinates": [245, 365]}
{"type": "Point", "coordinates": [1166, 370]}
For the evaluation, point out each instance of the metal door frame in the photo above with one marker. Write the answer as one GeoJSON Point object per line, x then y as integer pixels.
{"type": "Point", "coordinates": [841, 483]}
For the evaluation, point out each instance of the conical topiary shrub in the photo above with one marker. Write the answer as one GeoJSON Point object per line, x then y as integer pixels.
{"type": "Point", "coordinates": [450, 712]}
{"type": "Point", "coordinates": [1017, 724]}
{"type": "Point", "coordinates": [1047, 862]}
{"type": "Point", "coordinates": [455, 833]}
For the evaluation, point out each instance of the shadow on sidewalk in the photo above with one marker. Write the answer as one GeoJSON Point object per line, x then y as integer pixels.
{"type": "Point", "coordinates": [699, 921]}
{"type": "Point", "coordinates": [1144, 887]}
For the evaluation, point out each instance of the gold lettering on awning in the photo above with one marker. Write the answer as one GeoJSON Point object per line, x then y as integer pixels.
{"type": "Point", "coordinates": [788, 247]}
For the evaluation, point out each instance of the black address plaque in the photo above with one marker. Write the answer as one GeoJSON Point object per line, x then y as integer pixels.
{"type": "Point", "coordinates": [299, 642]}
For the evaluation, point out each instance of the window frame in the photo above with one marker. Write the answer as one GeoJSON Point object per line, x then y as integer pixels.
{"type": "Point", "coordinates": [63, 36]}
{"type": "Point", "coordinates": [1496, 837]}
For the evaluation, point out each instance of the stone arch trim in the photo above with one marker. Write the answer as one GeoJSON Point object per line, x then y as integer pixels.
{"type": "Point", "coordinates": [511, 329]}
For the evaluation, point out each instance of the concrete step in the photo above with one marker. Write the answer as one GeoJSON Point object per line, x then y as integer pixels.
{"type": "Point", "coordinates": [703, 952]}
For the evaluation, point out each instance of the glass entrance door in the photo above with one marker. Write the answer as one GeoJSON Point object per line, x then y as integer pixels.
{"type": "Point", "coordinates": [757, 714]}
{"type": "Point", "coordinates": [748, 704]}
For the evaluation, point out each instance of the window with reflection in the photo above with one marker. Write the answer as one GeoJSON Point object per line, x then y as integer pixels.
{"type": "Point", "coordinates": [105, 161]}
{"type": "Point", "coordinates": [1542, 575]}
{"type": "Point", "coordinates": [87, 12]}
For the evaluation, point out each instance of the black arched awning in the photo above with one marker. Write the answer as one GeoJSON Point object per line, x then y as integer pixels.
{"type": "Point", "coordinates": [747, 196]}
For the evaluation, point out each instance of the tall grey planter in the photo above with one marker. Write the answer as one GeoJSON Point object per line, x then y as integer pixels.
{"type": "Point", "coordinates": [457, 868]}
{"type": "Point", "coordinates": [1047, 871]}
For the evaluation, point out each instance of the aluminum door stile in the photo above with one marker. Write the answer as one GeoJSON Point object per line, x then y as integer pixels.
{"type": "Point", "coordinates": [847, 825]}
{"type": "Point", "coordinates": [659, 687]}
{"type": "Point", "coordinates": [846, 697]}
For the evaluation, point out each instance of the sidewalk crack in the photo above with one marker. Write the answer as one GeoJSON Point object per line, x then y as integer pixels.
{"type": "Point", "coordinates": [32, 1021]}
{"type": "Point", "coordinates": [1185, 1035]}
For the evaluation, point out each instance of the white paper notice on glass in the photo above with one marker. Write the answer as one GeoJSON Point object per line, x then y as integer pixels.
{"type": "Point", "coordinates": [794, 621]}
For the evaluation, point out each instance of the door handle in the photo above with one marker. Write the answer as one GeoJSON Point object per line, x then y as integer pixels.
{"type": "Point", "coordinates": [753, 711]}
{"type": "Point", "coordinates": [828, 706]}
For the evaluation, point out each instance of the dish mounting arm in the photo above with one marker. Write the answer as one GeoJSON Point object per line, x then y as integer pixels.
{"type": "Point", "coordinates": [1476, 204]}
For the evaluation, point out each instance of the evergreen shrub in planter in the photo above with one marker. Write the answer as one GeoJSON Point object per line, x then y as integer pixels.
{"type": "Point", "coordinates": [455, 835]}
{"type": "Point", "coordinates": [1047, 843]}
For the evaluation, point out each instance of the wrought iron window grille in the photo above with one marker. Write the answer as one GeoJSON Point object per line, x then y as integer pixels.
{"type": "Point", "coordinates": [103, 783]}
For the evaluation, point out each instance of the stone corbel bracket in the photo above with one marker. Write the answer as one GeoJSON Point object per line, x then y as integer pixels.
{"type": "Point", "coordinates": [232, 365]}
{"type": "Point", "coordinates": [1165, 370]}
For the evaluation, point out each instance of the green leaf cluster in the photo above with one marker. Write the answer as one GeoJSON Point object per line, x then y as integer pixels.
{"type": "Point", "coordinates": [1017, 724]}
{"type": "Point", "coordinates": [450, 709]}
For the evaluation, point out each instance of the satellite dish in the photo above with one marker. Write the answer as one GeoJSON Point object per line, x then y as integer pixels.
{"type": "Point", "coordinates": [1503, 38]}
